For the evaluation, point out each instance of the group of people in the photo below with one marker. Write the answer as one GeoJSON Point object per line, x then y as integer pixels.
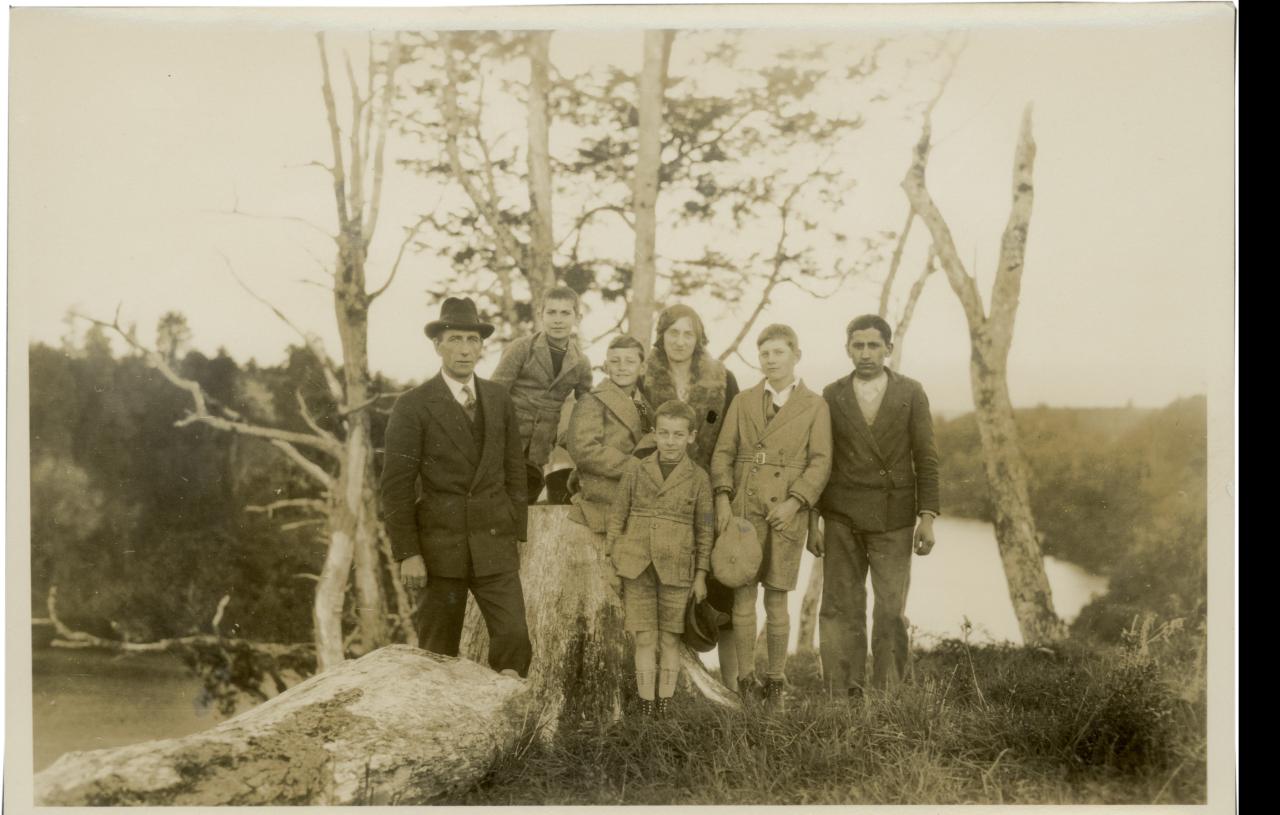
{"type": "Point", "coordinates": [670, 461]}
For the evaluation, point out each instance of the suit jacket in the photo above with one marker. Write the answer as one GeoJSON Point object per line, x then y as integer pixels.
{"type": "Point", "coordinates": [761, 464]}
{"type": "Point", "coordinates": [603, 432]}
{"type": "Point", "coordinates": [526, 371]}
{"type": "Point", "coordinates": [670, 523]}
{"type": "Point", "coordinates": [885, 473]}
{"type": "Point", "coordinates": [472, 507]}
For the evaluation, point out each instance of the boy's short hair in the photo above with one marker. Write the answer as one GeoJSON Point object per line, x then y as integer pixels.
{"type": "Point", "coordinates": [626, 341]}
{"type": "Point", "coordinates": [869, 321]}
{"type": "Point", "coordinates": [561, 293]}
{"type": "Point", "coordinates": [675, 409]}
{"type": "Point", "coordinates": [778, 331]}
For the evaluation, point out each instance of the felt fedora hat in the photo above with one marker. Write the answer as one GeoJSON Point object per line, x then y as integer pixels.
{"type": "Point", "coordinates": [458, 313]}
{"type": "Point", "coordinates": [702, 623]}
{"type": "Point", "coordinates": [736, 556]}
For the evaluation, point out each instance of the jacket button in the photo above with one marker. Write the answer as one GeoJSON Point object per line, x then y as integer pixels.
{"type": "Point", "coordinates": [759, 444]}
{"type": "Point", "coordinates": [773, 500]}
{"type": "Point", "coordinates": [755, 469]}
{"type": "Point", "coordinates": [493, 532]}
{"type": "Point", "coordinates": [882, 472]}
{"type": "Point", "coordinates": [751, 492]}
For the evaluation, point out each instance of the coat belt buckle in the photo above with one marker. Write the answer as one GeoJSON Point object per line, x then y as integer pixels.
{"type": "Point", "coordinates": [760, 458]}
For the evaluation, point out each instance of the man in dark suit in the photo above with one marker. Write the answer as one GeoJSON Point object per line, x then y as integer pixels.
{"type": "Point", "coordinates": [457, 436]}
{"type": "Point", "coordinates": [878, 506]}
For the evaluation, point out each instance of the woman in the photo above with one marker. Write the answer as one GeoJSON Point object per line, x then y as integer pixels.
{"type": "Point", "coordinates": [680, 368]}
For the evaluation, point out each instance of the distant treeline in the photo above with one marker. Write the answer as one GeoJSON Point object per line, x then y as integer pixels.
{"type": "Point", "coordinates": [1119, 491]}
{"type": "Point", "coordinates": [143, 526]}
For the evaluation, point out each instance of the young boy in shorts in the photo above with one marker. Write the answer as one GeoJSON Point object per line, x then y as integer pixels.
{"type": "Point", "coordinates": [659, 536]}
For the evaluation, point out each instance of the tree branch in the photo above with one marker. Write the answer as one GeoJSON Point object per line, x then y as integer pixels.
{"type": "Point", "coordinates": [908, 310]}
{"type": "Point", "coordinates": [69, 638]}
{"type": "Point", "coordinates": [894, 262]}
{"type": "Point", "coordinates": [335, 138]}
{"type": "Point", "coordinates": [312, 469]}
{"type": "Point", "coordinates": [1013, 243]}
{"type": "Point", "coordinates": [404, 245]}
{"type": "Point", "coordinates": [312, 342]}
{"type": "Point", "coordinates": [270, 509]}
{"type": "Point", "coordinates": [310, 420]}
{"type": "Point", "coordinates": [384, 119]}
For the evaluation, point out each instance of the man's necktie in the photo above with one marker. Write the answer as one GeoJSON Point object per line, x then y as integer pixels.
{"type": "Point", "coordinates": [770, 407]}
{"type": "Point", "coordinates": [469, 406]}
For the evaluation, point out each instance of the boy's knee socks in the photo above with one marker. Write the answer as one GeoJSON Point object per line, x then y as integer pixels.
{"type": "Point", "coordinates": [644, 683]}
{"type": "Point", "coordinates": [667, 682]}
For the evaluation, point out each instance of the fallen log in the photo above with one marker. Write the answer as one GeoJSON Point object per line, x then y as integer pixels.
{"type": "Point", "coordinates": [399, 725]}
{"type": "Point", "coordinates": [582, 659]}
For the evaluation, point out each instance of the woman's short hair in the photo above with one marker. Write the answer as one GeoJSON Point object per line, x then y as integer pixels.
{"type": "Point", "coordinates": [673, 314]}
{"type": "Point", "coordinates": [626, 341]}
{"type": "Point", "coordinates": [675, 409]}
{"type": "Point", "coordinates": [866, 321]}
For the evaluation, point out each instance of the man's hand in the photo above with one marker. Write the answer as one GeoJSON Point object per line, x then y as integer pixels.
{"type": "Point", "coordinates": [780, 517]}
{"type": "Point", "coordinates": [924, 539]}
{"type": "Point", "coordinates": [724, 512]}
{"type": "Point", "coordinates": [816, 542]}
{"type": "Point", "coordinates": [413, 572]}
{"type": "Point", "coordinates": [700, 586]}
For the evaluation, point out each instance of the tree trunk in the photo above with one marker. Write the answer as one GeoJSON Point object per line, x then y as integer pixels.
{"type": "Point", "coordinates": [653, 77]}
{"type": "Point", "coordinates": [541, 270]}
{"type": "Point", "coordinates": [990, 339]}
{"type": "Point", "coordinates": [809, 608]}
{"type": "Point", "coordinates": [582, 666]}
{"type": "Point", "coordinates": [1007, 478]}
{"type": "Point", "coordinates": [399, 726]}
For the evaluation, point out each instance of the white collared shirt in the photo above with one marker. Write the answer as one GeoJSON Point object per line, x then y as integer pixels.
{"type": "Point", "coordinates": [780, 398]}
{"type": "Point", "coordinates": [870, 390]}
{"type": "Point", "coordinates": [455, 387]}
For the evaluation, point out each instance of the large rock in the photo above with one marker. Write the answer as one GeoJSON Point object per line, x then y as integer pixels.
{"type": "Point", "coordinates": [399, 725]}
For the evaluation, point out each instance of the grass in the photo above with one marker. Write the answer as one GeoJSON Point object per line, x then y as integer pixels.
{"type": "Point", "coordinates": [1084, 723]}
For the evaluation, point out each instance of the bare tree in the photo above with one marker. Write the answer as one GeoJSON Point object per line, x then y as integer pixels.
{"type": "Point", "coordinates": [644, 200]}
{"type": "Point", "coordinates": [991, 335]}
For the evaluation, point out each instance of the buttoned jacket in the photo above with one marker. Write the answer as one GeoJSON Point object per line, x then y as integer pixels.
{"type": "Point", "coordinates": [667, 522]}
{"type": "Point", "coordinates": [886, 472]}
{"type": "Point", "coordinates": [539, 394]}
{"type": "Point", "coordinates": [761, 463]}
{"type": "Point", "coordinates": [471, 509]}
{"type": "Point", "coordinates": [604, 430]}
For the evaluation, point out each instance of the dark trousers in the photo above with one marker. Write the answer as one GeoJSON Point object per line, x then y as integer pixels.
{"type": "Point", "coordinates": [535, 482]}
{"type": "Point", "coordinates": [443, 606]}
{"type": "Point", "coordinates": [842, 620]}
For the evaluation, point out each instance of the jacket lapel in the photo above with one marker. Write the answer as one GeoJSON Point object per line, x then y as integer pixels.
{"type": "Point", "coordinates": [753, 408]}
{"type": "Point", "coordinates": [619, 404]}
{"type": "Point", "coordinates": [653, 471]}
{"type": "Point", "coordinates": [490, 411]}
{"type": "Point", "coordinates": [449, 414]}
{"type": "Point", "coordinates": [570, 360]}
{"type": "Point", "coordinates": [794, 408]}
{"type": "Point", "coordinates": [678, 476]}
{"type": "Point", "coordinates": [890, 403]}
{"type": "Point", "coordinates": [542, 353]}
{"type": "Point", "coordinates": [848, 404]}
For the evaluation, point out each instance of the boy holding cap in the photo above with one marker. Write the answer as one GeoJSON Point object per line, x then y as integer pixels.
{"type": "Point", "coordinates": [770, 465]}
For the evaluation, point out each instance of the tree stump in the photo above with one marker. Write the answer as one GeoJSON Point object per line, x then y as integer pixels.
{"type": "Point", "coordinates": [582, 666]}
{"type": "Point", "coordinates": [399, 725]}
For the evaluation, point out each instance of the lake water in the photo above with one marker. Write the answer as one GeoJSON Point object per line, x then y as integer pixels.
{"type": "Point", "coordinates": [84, 700]}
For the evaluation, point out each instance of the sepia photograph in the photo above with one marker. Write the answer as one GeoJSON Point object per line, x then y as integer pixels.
{"type": "Point", "coordinates": [622, 406]}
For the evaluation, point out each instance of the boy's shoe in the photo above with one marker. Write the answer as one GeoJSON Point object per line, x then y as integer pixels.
{"type": "Point", "coordinates": [644, 709]}
{"type": "Point", "coordinates": [662, 707]}
{"type": "Point", "coordinates": [773, 693]}
{"type": "Point", "coordinates": [855, 696]}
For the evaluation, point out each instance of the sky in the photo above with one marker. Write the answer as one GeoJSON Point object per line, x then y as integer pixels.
{"type": "Point", "coordinates": [135, 132]}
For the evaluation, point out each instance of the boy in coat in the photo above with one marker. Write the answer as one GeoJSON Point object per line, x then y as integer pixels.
{"type": "Point", "coordinates": [453, 496]}
{"type": "Point", "coordinates": [608, 426]}
{"type": "Point", "coordinates": [661, 529]}
{"type": "Point", "coordinates": [770, 465]}
{"type": "Point", "coordinates": [540, 371]}
{"type": "Point", "coordinates": [878, 508]}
